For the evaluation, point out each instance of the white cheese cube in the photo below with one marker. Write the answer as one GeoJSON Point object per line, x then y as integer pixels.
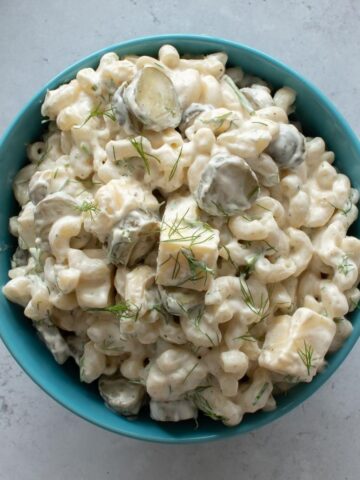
{"type": "Point", "coordinates": [188, 248]}
{"type": "Point", "coordinates": [297, 345]}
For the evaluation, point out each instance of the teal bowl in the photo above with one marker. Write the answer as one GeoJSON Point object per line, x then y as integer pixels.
{"type": "Point", "coordinates": [318, 117]}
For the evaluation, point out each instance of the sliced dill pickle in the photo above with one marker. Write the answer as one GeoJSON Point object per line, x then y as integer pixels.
{"type": "Point", "coordinates": [191, 113]}
{"type": "Point", "coordinates": [121, 395]}
{"type": "Point", "coordinates": [227, 186]}
{"type": "Point", "coordinates": [133, 237]}
{"type": "Point", "coordinates": [288, 149]}
{"type": "Point", "coordinates": [152, 99]}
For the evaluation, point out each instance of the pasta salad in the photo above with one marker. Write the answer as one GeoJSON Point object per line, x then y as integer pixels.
{"type": "Point", "coordinates": [181, 239]}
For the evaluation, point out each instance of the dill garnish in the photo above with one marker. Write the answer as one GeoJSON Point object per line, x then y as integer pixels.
{"type": "Point", "coordinates": [254, 191]}
{"type": "Point", "coordinates": [261, 393]}
{"type": "Point", "coordinates": [220, 209]}
{"type": "Point", "coordinates": [229, 259]}
{"type": "Point", "coordinates": [99, 112]}
{"type": "Point", "coordinates": [240, 96]}
{"type": "Point", "coordinates": [345, 267]}
{"type": "Point", "coordinates": [262, 206]}
{"type": "Point", "coordinates": [199, 310]}
{"type": "Point", "coordinates": [260, 310]}
{"type": "Point", "coordinates": [138, 146]}
{"type": "Point", "coordinates": [202, 404]}
{"type": "Point", "coordinates": [88, 208]}
{"type": "Point", "coordinates": [122, 310]}
{"type": "Point", "coordinates": [190, 372]}
{"type": "Point", "coordinates": [159, 307]}
{"type": "Point", "coordinates": [198, 268]}
{"type": "Point", "coordinates": [269, 246]}
{"type": "Point", "coordinates": [174, 167]}
{"type": "Point", "coordinates": [249, 218]}
{"type": "Point", "coordinates": [178, 231]}
{"type": "Point", "coordinates": [261, 123]}
{"type": "Point", "coordinates": [306, 356]}
{"type": "Point", "coordinates": [250, 264]}
{"type": "Point", "coordinates": [218, 121]}
{"type": "Point", "coordinates": [246, 337]}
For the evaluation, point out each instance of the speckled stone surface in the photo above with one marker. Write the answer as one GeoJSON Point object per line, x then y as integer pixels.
{"type": "Point", "coordinates": [39, 439]}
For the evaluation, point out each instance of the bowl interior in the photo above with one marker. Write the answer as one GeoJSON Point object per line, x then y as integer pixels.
{"type": "Point", "coordinates": [317, 116]}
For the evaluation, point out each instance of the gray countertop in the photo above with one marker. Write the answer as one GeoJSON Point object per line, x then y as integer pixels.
{"type": "Point", "coordinates": [39, 439]}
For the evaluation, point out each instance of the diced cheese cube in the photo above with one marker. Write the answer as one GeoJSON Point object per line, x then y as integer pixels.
{"type": "Point", "coordinates": [297, 345]}
{"type": "Point", "coordinates": [188, 248]}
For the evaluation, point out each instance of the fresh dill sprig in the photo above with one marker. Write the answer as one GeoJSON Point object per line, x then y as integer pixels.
{"type": "Point", "coordinates": [159, 307]}
{"type": "Point", "coordinates": [174, 167]}
{"type": "Point", "coordinates": [210, 339]}
{"type": "Point", "coordinates": [99, 112]}
{"type": "Point", "coordinates": [250, 264]}
{"type": "Point", "coordinates": [220, 209]}
{"type": "Point", "coordinates": [122, 310]}
{"type": "Point", "coordinates": [254, 191]}
{"type": "Point", "coordinates": [88, 208]}
{"type": "Point", "coordinates": [346, 209]}
{"type": "Point", "coordinates": [174, 228]}
{"type": "Point", "coordinates": [203, 404]}
{"type": "Point", "coordinates": [219, 120]}
{"type": "Point", "coordinates": [249, 218]}
{"type": "Point", "coordinates": [260, 310]}
{"type": "Point", "coordinates": [138, 146]}
{"type": "Point", "coordinates": [345, 267]}
{"type": "Point", "coordinates": [306, 356]}
{"type": "Point", "coordinates": [159, 65]}
{"type": "Point", "coordinates": [261, 393]}
{"type": "Point", "coordinates": [229, 257]}
{"type": "Point", "coordinates": [178, 230]}
{"type": "Point", "coordinates": [246, 337]}
{"type": "Point", "coordinates": [199, 270]}
{"type": "Point", "coordinates": [240, 96]}
{"type": "Point", "coordinates": [190, 372]}
{"type": "Point", "coordinates": [261, 123]}
{"type": "Point", "coordinates": [67, 181]}
{"type": "Point", "coordinates": [177, 266]}
{"type": "Point", "coordinates": [199, 310]}
{"type": "Point", "coordinates": [269, 247]}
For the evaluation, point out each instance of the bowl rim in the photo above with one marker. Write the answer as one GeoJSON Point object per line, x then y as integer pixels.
{"type": "Point", "coordinates": [218, 44]}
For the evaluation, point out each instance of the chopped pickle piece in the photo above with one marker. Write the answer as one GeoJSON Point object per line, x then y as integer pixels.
{"type": "Point", "coordinates": [227, 186]}
{"type": "Point", "coordinates": [152, 98]}
{"type": "Point", "coordinates": [288, 149]}
{"type": "Point", "coordinates": [133, 237]}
